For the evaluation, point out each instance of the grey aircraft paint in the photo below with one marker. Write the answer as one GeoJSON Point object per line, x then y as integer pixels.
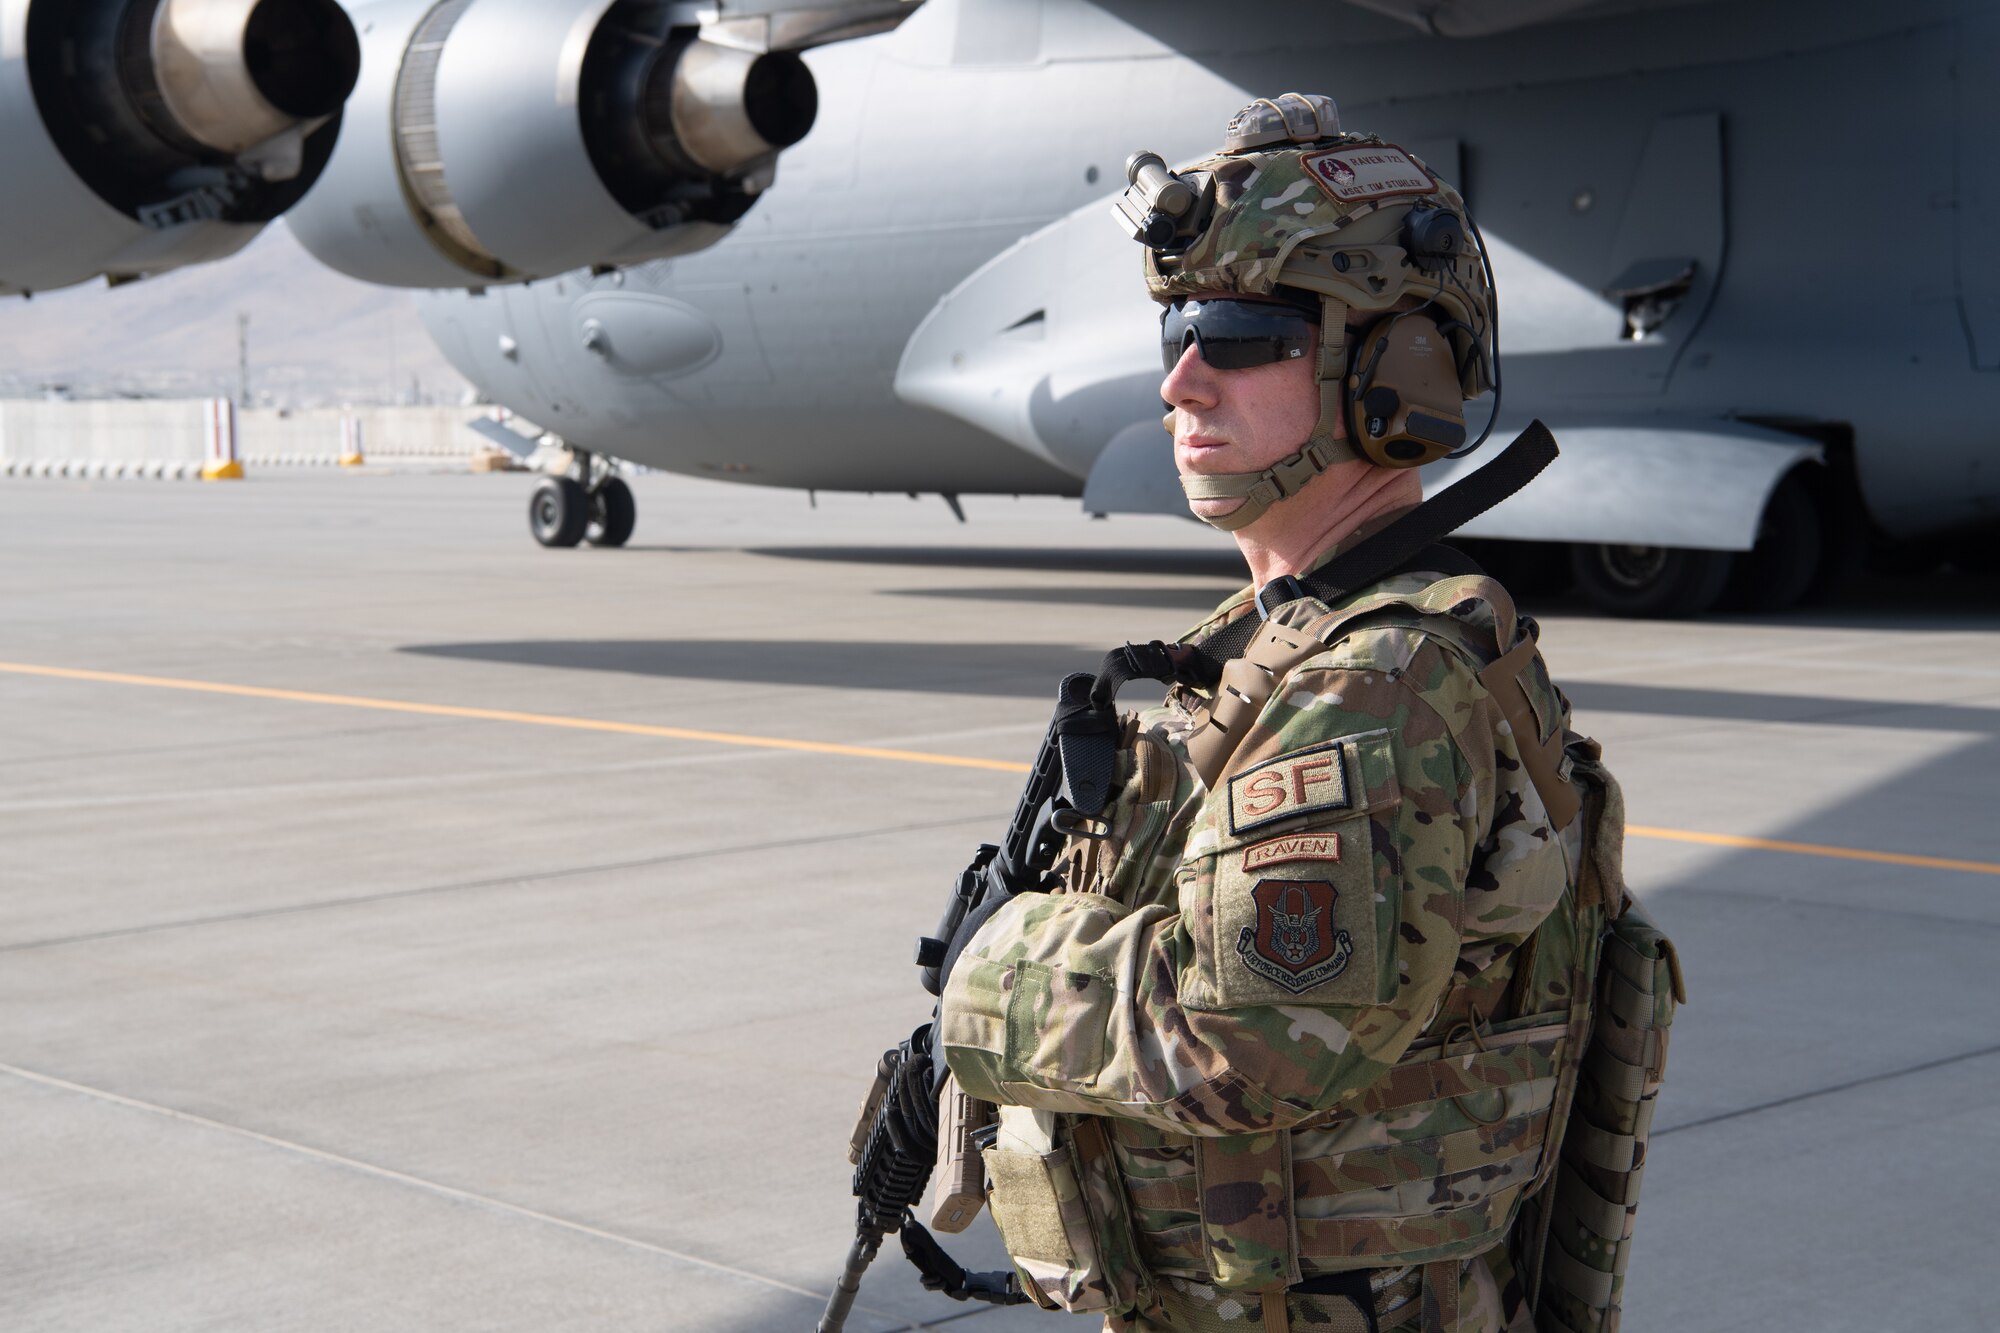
{"type": "Point", "coordinates": [1825, 178]}
{"type": "Point", "coordinates": [1793, 204]}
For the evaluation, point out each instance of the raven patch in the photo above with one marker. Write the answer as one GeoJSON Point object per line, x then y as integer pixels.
{"type": "Point", "coordinates": [1289, 848]}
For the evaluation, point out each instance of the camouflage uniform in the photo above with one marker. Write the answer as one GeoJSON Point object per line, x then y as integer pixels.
{"type": "Point", "coordinates": [1314, 971]}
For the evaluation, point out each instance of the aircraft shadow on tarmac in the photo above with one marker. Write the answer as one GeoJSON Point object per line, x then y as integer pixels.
{"type": "Point", "coordinates": [1948, 600]}
{"type": "Point", "coordinates": [1194, 603]}
{"type": "Point", "coordinates": [1733, 705]}
{"type": "Point", "coordinates": [1226, 565]}
{"type": "Point", "coordinates": [1009, 670]}
{"type": "Point", "coordinates": [1031, 671]}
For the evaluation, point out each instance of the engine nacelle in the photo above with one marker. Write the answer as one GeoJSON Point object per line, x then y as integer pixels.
{"type": "Point", "coordinates": [495, 141]}
{"type": "Point", "coordinates": [148, 134]}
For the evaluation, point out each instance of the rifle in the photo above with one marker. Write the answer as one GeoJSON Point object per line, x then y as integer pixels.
{"type": "Point", "coordinates": [894, 1142]}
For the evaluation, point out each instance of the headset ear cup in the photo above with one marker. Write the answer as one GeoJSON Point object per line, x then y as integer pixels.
{"type": "Point", "coordinates": [1405, 407]}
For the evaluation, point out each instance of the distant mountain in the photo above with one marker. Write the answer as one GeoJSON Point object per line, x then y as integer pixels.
{"type": "Point", "coordinates": [316, 337]}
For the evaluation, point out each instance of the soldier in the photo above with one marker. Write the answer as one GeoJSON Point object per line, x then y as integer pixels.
{"type": "Point", "coordinates": [1286, 1051]}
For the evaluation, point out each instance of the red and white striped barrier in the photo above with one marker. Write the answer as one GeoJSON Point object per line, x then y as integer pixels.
{"type": "Point", "coordinates": [223, 461]}
{"type": "Point", "coordinates": [350, 441]}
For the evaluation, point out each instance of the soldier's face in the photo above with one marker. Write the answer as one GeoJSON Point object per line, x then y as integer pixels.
{"type": "Point", "coordinates": [1239, 420]}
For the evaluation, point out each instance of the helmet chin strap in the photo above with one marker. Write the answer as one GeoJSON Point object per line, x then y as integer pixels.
{"type": "Point", "coordinates": [1260, 490]}
{"type": "Point", "coordinates": [1288, 476]}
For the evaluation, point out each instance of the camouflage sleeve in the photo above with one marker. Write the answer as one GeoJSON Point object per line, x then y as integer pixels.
{"type": "Point", "coordinates": [1316, 922]}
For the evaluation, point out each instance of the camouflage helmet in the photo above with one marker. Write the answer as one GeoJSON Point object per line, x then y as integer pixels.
{"type": "Point", "coordinates": [1294, 208]}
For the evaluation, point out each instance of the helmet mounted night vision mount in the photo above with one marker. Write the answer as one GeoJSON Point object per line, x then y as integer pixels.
{"type": "Point", "coordinates": [1294, 209]}
{"type": "Point", "coordinates": [1161, 210]}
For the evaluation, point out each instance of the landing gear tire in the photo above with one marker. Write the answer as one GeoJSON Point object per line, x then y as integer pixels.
{"type": "Point", "coordinates": [1776, 573]}
{"type": "Point", "coordinates": [559, 512]}
{"type": "Point", "coordinates": [1650, 582]}
{"type": "Point", "coordinates": [613, 514]}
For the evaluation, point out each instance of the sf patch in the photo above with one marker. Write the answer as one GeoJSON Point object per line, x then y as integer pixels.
{"type": "Point", "coordinates": [1295, 940]}
{"type": "Point", "coordinates": [1290, 785]}
{"type": "Point", "coordinates": [1368, 171]}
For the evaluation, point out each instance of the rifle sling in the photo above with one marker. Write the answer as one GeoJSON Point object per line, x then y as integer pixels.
{"type": "Point", "coordinates": [1398, 546]}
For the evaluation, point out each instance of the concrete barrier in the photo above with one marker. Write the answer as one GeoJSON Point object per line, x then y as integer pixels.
{"type": "Point", "coordinates": [172, 438]}
{"type": "Point", "coordinates": [316, 434]}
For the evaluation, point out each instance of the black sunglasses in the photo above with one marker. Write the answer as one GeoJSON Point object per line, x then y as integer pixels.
{"type": "Point", "coordinates": [1235, 335]}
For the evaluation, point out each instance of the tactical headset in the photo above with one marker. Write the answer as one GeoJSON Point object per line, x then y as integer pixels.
{"type": "Point", "coordinates": [1405, 404]}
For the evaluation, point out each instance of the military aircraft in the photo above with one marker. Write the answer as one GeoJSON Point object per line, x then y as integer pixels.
{"type": "Point", "coordinates": [1748, 253]}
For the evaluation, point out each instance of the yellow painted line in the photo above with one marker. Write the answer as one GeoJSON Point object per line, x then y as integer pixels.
{"type": "Point", "coordinates": [506, 715]}
{"type": "Point", "coordinates": [1814, 849]}
{"type": "Point", "coordinates": [871, 752]}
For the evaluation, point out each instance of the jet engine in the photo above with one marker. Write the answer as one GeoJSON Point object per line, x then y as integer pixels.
{"type": "Point", "coordinates": [494, 141]}
{"type": "Point", "coordinates": [147, 134]}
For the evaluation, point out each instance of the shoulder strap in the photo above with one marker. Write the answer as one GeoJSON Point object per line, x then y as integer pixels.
{"type": "Point", "coordinates": [1396, 545]}
{"type": "Point", "coordinates": [1249, 681]}
{"type": "Point", "coordinates": [1243, 661]}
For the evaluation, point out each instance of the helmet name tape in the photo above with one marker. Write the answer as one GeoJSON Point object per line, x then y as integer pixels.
{"type": "Point", "coordinates": [1370, 171]}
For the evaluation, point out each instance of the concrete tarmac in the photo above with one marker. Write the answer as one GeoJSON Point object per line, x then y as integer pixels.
{"type": "Point", "coordinates": [317, 1012]}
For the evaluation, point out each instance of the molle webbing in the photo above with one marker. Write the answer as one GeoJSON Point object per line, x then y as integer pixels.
{"type": "Point", "coordinates": [1249, 1227]}
{"type": "Point", "coordinates": [1246, 686]}
{"type": "Point", "coordinates": [1280, 646]}
{"type": "Point", "coordinates": [1577, 1235]}
{"type": "Point", "coordinates": [1255, 1237]}
{"type": "Point", "coordinates": [1541, 755]}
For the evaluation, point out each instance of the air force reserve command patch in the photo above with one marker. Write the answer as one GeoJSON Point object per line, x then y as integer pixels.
{"type": "Point", "coordinates": [1283, 788]}
{"type": "Point", "coordinates": [1294, 941]}
{"type": "Point", "coordinates": [1367, 171]}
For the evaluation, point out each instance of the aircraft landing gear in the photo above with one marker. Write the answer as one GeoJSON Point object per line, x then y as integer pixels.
{"type": "Point", "coordinates": [559, 512]}
{"type": "Point", "coordinates": [1790, 549]}
{"type": "Point", "coordinates": [1650, 582]}
{"type": "Point", "coordinates": [591, 504]}
{"type": "Point", "coordinates": [613, 513]}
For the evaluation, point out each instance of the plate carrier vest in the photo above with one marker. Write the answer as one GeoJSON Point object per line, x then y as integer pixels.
{"type": "Point", "coordinates": [1552, 1105]}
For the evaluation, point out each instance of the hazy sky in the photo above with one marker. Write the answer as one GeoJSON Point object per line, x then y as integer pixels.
{"type": "Point", "coordinates": [313, 333]}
